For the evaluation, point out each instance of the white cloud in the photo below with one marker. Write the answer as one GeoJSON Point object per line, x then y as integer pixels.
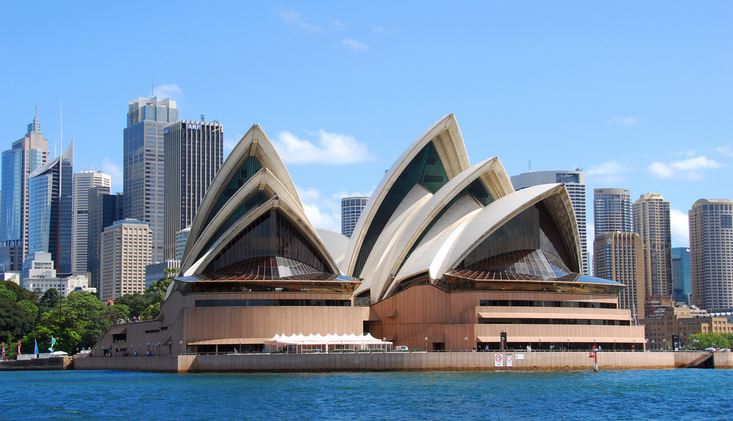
{"type": "Point", "coordinates": [725, 151]}
{"type": "Point", "coordinates": [690, 168]}
{"type": "Point", "coordinates": [680, 228]}
{"type": "Point", "coordinates": [626, 121]}
{"type": "Point", "coordinates": [295, 18]}
{"type": "Point", "coordinates": [329, 149]}
{"type": "Point", "coordinates": [115, 171]}
{"type": "Point", "coordinates": [354, 45]}
{"type": "Point", "coordinates": [170, 90]}
{"type": "Point", "coordinates": [323, 212]}
{"type": "Point", "coordinates": [609, 171]}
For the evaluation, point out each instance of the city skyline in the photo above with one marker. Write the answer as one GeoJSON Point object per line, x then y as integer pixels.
{"type": "Point", "coordinates": [647, 116]}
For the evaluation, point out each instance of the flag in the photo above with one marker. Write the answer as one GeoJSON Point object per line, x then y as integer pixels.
{"type": "Point", "coordinates": [18, 353]}
{"type": "Point", "coordinates": [53, 342]}
{"type": "Point", "coordinates": [3, 351]}
{"type": "Point", "coordinates": [35, 346]}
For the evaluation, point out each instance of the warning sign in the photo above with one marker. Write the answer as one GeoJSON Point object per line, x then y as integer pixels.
{"type": "Point", "coordinates": [509, 360]}
{"type": "Point", "coordinates": [498, 360]}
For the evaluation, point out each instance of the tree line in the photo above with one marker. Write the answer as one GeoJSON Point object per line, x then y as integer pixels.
{"type": "Point", "coordinates": [76, 322]}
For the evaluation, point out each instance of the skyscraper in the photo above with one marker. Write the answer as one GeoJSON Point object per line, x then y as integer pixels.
{"type": "Point", "coordinates": [50, 210]}
{"type": "Point", "coordinates": [25, 156]}
{"type": "Point", "coordinates": [681, 275]}
{"type": "Point", "coordinates": [104, 210]}
{"type": "Point", "coordinates": [611, 211]}
{"type": "Point", "coordinates": [711, 254]}
{"type": "Point", "coordinates": [574, 182]}
{"type": "Point", "coordinates": [83, 181]}
{"type": "Point", "coordinates": [618, 256]}
{"type": "Point", "coordinates": [651, 222]}
{"type": "Point", "coordinates": [194, 152]}
{"type": "Point", "coordinates": [181, 239]}
{"type": "Point", "coordinates": [143, 163]}
{"type": "Point", "coordinates": [126, 250]}
{"type": "Point", "coordinates": [351, 209]}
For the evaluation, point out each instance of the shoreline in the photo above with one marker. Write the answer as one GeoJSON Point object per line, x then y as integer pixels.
{"type": "Point", "coordinates": [395, 361]}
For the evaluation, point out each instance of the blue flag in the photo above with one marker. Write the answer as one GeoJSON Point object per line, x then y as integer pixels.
{"type": "Point", "coordinates": [53, 342]}
{"type": "Point", "coordinates": [35, 347]}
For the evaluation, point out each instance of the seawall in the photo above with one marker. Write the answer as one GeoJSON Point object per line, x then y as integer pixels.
{"type": "Point", "coordinates": [433, 361]}
{"type": "Point", "coordinates": [55, 363]}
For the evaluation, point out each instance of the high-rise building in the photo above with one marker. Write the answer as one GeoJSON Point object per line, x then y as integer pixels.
{"type": "Point", "coordinates": [618, 256]}
{"type": "Point", "coordinates": [651, 222]}
{"type": "Point", "coordinates": [181, 239]}
{"type": "Point", "coordinates": [83, 181]}
{"type": "Point", "coordinates": [25, 156]}
{"type": "Point", "coordinates": [611, 211]}
{"type": "Point", "coordinates": [50, 210]}
{"type": "Point", "coordinates": [351, 209]}
{"type": "Point", "coordinates": [681, 275]}
{"type": "Point", "coordinates": [574, 182]}
{"type": "Point", "coordinates": [194, 152]}
{"type": "Point", "coordinates": [126, 251]}
{"type": "Point", "coordinates": [711, 254]}
{"type": "Point", "coordinates": [104, 210]}
{"type": "Point", "coordinates": [143, 165]}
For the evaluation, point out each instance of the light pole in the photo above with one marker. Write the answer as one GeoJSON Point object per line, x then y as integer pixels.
{"type": "Point", "coordinates": [465, 343]}
{"type": "Point", "coordinates": [426, 344]}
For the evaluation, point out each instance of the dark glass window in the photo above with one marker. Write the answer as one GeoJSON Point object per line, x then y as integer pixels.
{"type": "Point", "coordinates": [247, 170]}
{"type": "Point", "coordinates": [425, 169]}
{"type": "Point", "coordinates": [529, 244]}
{"type": "Point", "coordinates": [271, 235]}
{"type": "Point", "coordinates": [726, 221]}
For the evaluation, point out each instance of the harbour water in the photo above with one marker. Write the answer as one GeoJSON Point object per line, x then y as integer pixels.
{"type": "Point", "coordinates": [112, 395]}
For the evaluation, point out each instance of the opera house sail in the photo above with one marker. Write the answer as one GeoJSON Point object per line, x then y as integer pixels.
{"type": "Point", "coordinates": [446, 255]}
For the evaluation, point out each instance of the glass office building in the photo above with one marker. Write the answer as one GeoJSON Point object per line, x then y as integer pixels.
{"type": "Point", "coordinates": [681, 274]}
{"type": "Point", "coordinates": [50, 210]}
{"type": "Point", "coordinates": [351, 209]}
{"type": "Point", "coordinates": [143, 164]}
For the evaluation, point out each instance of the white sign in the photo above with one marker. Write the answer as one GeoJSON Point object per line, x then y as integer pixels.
{"type": "Point", "coordinates": [519, 356]}
{"type": "Point", "coordinates": [498, 360]}
{"type": "Point", "coordinates": [509, 360]}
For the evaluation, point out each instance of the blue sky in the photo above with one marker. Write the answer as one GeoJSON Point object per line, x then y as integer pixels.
{"type": "Point", "coordinates": [636, 93]}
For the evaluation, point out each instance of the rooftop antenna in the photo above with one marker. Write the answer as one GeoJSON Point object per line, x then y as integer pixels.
{"type": "Point", "coordinates": [152, 88]}
{"type": "Point", "coordinates": [203, 117]}
{"type": "Point", "coordinates": [529, 166]}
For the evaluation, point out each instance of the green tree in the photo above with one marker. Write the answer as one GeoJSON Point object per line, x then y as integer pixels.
{"type": "Point", "coordinates": [79, 321]}
{"type": "Point", "coordinates": [155, 295]}
{"type": "Point", "coordinates": [50, 299]}
{"type": "Point", "coordinates": [699, 341]}
{"type": "Point", "coordinates": [18, 313]}
{"type": "Point", "coordinates": [136, 303]}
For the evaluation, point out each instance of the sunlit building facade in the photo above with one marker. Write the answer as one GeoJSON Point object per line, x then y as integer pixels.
{"type": "Point", "coordinates": [445, 255]}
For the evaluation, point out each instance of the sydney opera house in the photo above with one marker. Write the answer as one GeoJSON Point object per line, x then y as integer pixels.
{"type": "Point", "coordinates": [446, 255]}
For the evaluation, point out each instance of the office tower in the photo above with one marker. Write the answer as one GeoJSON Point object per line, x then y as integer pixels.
{"type": "Point", "coordinates": [50, 210]}
{"type": "Point", "coordinates": [83, 181]}
{"type": "Point", "coordinates": [181, 239]}
{"type": "Point", "coordinates": [194, 152]}
{"type": "Point", "coordinates": [143, 154]}
{"type": "Point", "coordinates": [681, 274]}
{"type": "Point", "coordinates": [25, 156]}
{"type": "Point", "coordinates": [711, 254]}
{"type": "Point", "coordinates": [651, 222]}
{"type": "Point", "coordinates": [351, 209]}
{"type": "Point", "coordinates": [619, 256]}
{"type": "Point", "coordinates": [574, 182]}
{"type": "Point", "coordinates": [611, 211]}
{"type": "Point", "coordinates": [104, 210]}
{"type": "Point", "coordinates": [125, 251]}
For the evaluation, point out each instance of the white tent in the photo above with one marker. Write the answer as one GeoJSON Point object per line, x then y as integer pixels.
{"type": "Point", "coordinates": [328, 343]}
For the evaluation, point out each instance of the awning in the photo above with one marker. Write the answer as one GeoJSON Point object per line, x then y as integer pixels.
{"type": "Point", "coordinates": [230, 341]}
{"type": "Point", "coordinates": [330, 339]}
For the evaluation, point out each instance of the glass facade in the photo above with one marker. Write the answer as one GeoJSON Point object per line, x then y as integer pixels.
{"type": "Point", "coordinates": [271, 247]}
{"type": "Point", "coordinates": [530, 245]}
{"type": "Point", "coordinates": [12, 195]}
{"type": "Point", "coordinates": [247, 170]}
{"type": "Point", "coordinates": [143, 164]}
{"type": "Point", "coordinates": [681, 274]}
{"type": "Point", "coordinates": [425, 169]}
{"type": "Point", "coordinates": [351, 209]}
